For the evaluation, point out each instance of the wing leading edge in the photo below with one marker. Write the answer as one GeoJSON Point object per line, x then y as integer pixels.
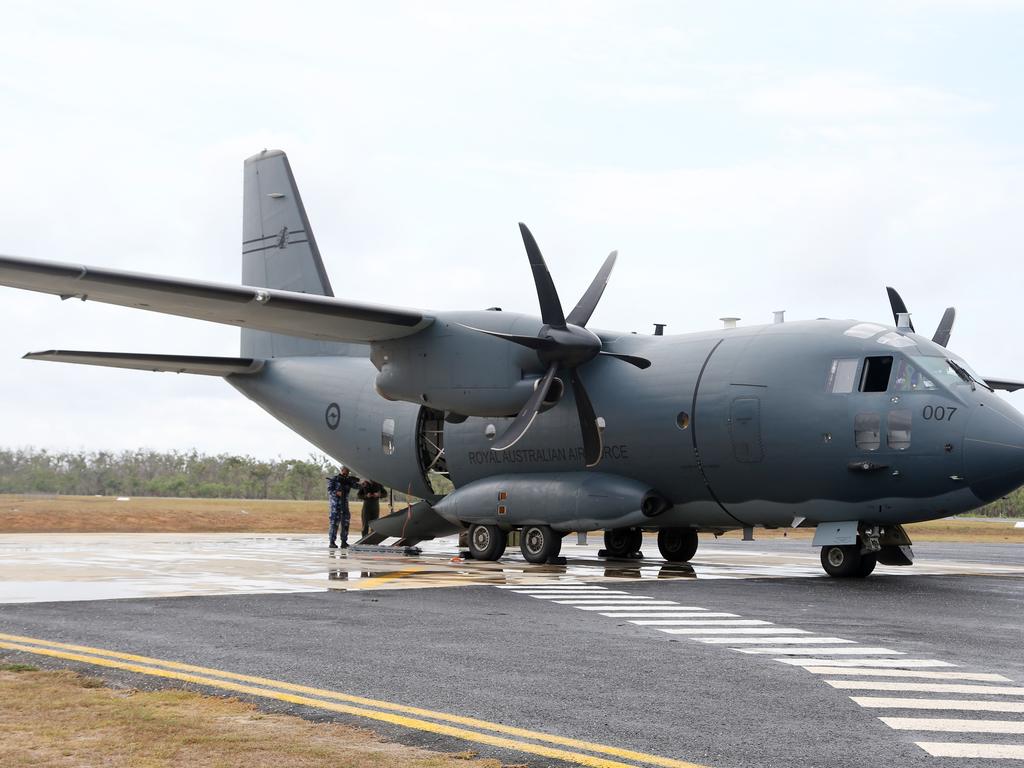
{"type": "Point", "coordinates": [295, 314]}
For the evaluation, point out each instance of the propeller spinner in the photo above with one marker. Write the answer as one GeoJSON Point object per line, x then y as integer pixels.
{"type": "Point", "coordinates": [563, 342]}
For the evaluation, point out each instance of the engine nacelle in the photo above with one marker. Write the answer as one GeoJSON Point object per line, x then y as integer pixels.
{"type": "Point", "coordinates": [450, 367]}
{"type": "Point", "coordinates": [567, 501]}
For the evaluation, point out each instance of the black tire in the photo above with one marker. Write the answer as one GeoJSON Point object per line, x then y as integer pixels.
{"type": "Point", "coordinates": [677, 545]}
{"type": "Point", "coordinates": [846, 562]}
{"type": "Point", "coordinates": [623, 542]}
{"type": "Point", "coordinates": [539, 543]}
{"type": "Point", "coordinates": [867, 565]}
{"type": "Point", "coordinates": [487, 542]}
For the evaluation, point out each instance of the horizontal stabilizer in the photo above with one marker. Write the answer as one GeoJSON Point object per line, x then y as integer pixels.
{"type": "Point", "coordinates": [204, 366]}
{"type": "Point", "coordinates": [1005, 384]}
{"type": "Point", "coordinates": [294, 314]}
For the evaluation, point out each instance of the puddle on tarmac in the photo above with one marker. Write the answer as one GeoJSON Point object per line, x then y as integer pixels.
{"type": "Point", "coordinates": [45, 568]}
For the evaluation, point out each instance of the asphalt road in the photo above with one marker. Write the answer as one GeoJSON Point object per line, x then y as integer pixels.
{"type": "Point", "coordinates": [526, 661]}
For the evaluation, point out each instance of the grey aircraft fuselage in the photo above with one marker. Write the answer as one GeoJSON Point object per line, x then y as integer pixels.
{"type": "Point", "coordinates": [736, 427]}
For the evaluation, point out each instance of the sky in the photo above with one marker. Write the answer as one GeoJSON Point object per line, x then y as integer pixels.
{"type": "Point", "coordinates": [742, 157]}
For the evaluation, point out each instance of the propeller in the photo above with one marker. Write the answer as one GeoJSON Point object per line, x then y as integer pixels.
{"type": "Point", "coordinates": [563, 342]}
{"type": "Point", "coordinates": [942, 333]}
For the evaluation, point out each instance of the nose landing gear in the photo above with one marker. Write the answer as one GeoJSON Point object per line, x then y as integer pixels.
{"type": "Point", "coordinates": [847, 561]}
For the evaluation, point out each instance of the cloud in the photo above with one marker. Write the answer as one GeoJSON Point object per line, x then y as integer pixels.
{"type": "Point", "coordinates": [852, 96]}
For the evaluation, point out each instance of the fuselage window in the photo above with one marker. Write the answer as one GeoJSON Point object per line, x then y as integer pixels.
{"type": "Point", "coordinates": [910, 379]}
{"type": "Point", "coordinates": [898, 430]}
{"type": "Point", "coordinates": [876, 374]}
{"type": "Point", "coordinates": [867, 431]}
{"type": "Point", "coordinates": [387, 437]}
{"type": "Point", "coordinates": [842, 375]}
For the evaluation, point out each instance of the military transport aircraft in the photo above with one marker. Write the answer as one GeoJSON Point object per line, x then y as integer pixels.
{"type": "Point", "coordinates": [547, 426]}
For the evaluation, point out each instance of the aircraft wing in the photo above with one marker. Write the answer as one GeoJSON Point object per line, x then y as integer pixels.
{"type": "Point", "coordinates": [204, 366]}
{"type": "Point", "coordinates": [266, 309]}
{"type": "Point", "coordinates": [1005, 384]}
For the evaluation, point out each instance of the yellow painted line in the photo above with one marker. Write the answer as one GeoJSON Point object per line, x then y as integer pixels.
{"type": "Point", "coordinates": [376, 581]}
{"type": "Point", "coordinates": [199, 675]}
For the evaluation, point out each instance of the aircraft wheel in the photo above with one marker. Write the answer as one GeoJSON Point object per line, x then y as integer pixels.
{"type": "Point", "coordinates": [622, 542]}
{"type": "Point", "coordinates": [539, 543]}
{"type": "Point", "coordinates": [487, 542]}
{"type": "Point", "coordinates": [846, 562]}
{"type": "Point", "coordinates": [677, 545]}
{"type": "Point", "coordinates": [867, 565]}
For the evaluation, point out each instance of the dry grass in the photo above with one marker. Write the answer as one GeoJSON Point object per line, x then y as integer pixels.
{"type": "Point", "coordinates": [101, 514]}
{"type": "Point", "coordinates": [65, 720]}
{"type": "Point", "coordinates": [89, 514]}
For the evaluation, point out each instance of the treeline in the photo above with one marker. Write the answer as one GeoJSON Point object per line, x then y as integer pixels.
{"type": "Point", "coordinates": [150, 473]}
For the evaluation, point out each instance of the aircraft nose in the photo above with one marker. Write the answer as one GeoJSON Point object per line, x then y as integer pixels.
{"type": "Point", "coordinates": [994, 450]}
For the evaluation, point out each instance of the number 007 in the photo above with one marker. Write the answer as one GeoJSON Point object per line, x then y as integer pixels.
{"type": "Point", "coordinates": [938, 413]}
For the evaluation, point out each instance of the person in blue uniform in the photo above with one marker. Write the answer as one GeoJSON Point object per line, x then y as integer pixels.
{"type": "Point", "coordinates": [338, 489]}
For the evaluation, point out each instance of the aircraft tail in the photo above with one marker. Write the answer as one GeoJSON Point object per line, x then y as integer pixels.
{"type": "Point", "coordinates": [279, 251]}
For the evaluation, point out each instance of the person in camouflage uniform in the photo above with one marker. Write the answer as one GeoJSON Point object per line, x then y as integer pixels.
{"type": "Point", "coordinates": [338, 489]}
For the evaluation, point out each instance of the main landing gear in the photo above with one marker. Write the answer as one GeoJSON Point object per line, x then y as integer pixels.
{"type": "Point", "coordinates": [623, 542]}
{"type": "Point", "coordinates": [487, 542]}
{"type": "Point", "coordinates": [677, 545]}
{"type": "Point", "coordinates": [538, 543]}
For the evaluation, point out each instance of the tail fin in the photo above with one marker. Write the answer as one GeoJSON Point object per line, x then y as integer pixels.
{"type": "Point", "coordinates": [279, 251]}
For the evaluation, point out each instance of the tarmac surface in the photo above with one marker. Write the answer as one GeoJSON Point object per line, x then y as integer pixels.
{"type": "Point", "coordinates": [749, 658]}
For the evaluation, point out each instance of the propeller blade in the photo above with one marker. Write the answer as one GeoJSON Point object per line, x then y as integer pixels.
{"type": "Point", "coordinates": [640, 362]}
{"type": "Point", "coordinates": [586, 306]}
{"type": "Point", "coordinates": [592, 447]}
{"type": "Point", "coordinates": [898, 307]}
{"type": "Point", "coordinates": [550, 307]}
{"type": "Point", "coordinates": [533, 342]}
{"type": "Point", "coordinates": [527, 413]}
{"type": "Point", "coordinates": [945, 328]}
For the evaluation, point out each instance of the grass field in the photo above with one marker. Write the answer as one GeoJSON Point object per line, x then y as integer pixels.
{"type": "Point", "coordinates": [89, 514]}
{"type": "Point", "coordinates": [65, 719]}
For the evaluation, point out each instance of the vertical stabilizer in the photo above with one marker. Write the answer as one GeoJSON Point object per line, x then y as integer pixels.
{"type": "Point", "coordinates": [279, 251]}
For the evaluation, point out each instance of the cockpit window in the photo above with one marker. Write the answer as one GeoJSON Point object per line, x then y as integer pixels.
{"type": "Point", "coordinates": [875, 377]}
{"type": "Point", "coordinates": [939, 369]}
{"type": "Point", "coordinates": [909, 379]}
{"type": "Point", "coordinates": [842, 375]}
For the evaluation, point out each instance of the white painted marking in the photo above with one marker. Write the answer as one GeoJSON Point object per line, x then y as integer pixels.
{"type": "Point", "coordinates": [596, 592]}
{"type": "Point", "coordinates": [617, 599]}
{"type": "Point", "coordinates": [655, 605]}
{"type": "Point", "coordinates": [689, 616]}
{"type": "Point", "coordinates": [545, 585]}
{"type": "Point", "coordinates": [953, 725]}
{"type": "Point", "coordinates": [548, 586]}
{"type": "Point", "coordinates": [958, 749]}
{"type": "Point", "coordinates": [666, 612]}
{"type": "Point", "coordinates": [979, 676]}
{"type": "Point", "coordinates": [876, 663]}
{"type": "Point", "coordinates": [964, 704]}
{"type": "Point", "coordinates": [735, 631]}
{"type": "Point", "coordinates": [560, 593]}
{"type": "Point", "coordinates": [873, 685]}
{"type": "Point", "coordinates": [719, 622]}
{"type": "Point", "coordinates": [859, 651]}
{"type": "Point", "coordinates": [810, 640]}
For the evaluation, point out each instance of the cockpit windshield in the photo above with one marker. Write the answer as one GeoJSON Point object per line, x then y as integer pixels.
{"type": "Point", "coordinates": [945, 370]}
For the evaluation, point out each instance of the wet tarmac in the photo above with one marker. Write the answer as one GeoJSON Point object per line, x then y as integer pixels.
{"type": "Point", "coordinates": [74, 567]}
